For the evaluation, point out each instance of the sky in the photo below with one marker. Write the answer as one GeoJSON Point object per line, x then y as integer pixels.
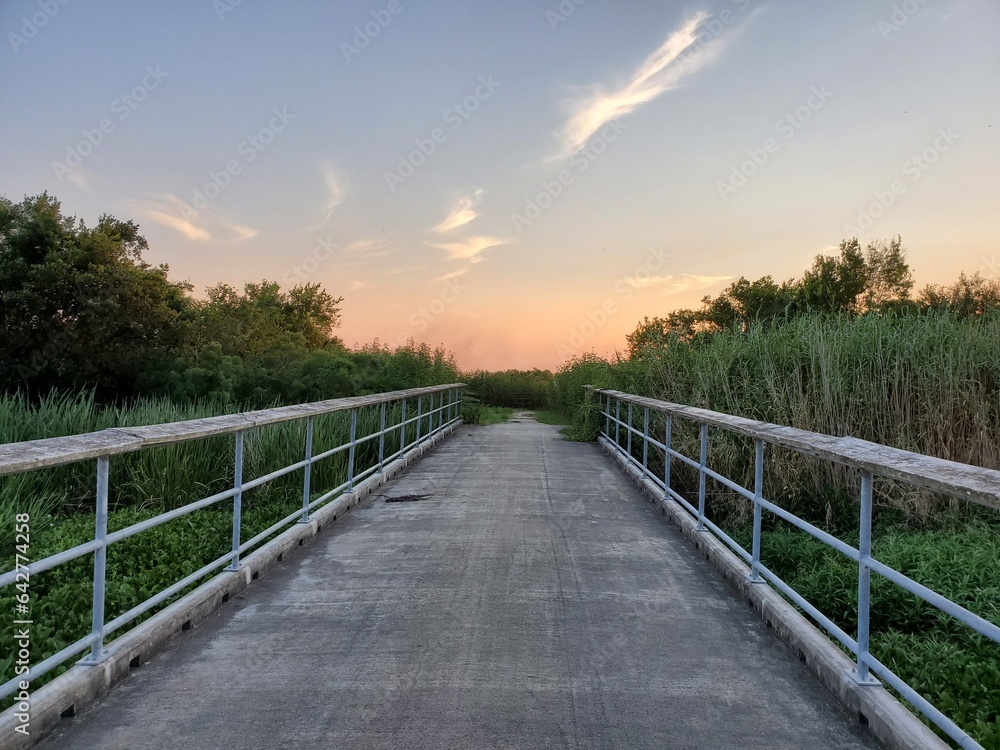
{"type": "Point", "coordinates": [518, 181]}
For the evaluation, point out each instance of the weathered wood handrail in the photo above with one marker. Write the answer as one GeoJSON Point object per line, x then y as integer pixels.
{"type": "Point", "coordinates": [405, 436]}
{"type": "Point", "coordinates": [973, 483]}
{"type": "Point", "coordinates": [37, 454]}
{"type": "Point", "coordinates": [961, 480]}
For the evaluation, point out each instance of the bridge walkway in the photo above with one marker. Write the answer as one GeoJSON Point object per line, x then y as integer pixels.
{"type": "Point", "coordinates": [524, 595]}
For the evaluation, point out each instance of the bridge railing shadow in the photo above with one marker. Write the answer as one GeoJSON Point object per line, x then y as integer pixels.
{"type": "Point", "coordinates": [627, 429]}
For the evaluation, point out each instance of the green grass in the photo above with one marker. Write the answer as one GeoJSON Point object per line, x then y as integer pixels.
{"type": "Point", "coordinates": [137, 568]}
{"type": "Point", "coordinates": [519, 389]}
{"type": "Point", "coordinates": [495, 415]}
{"type": "Point", "coordinates": [60, 502]}
{"type": "Point", "coordinates": [551, 416]}
{"type": "Point", "coordinates": [924, 383]}
{"type": "Point", "coordinates": [945, 661]}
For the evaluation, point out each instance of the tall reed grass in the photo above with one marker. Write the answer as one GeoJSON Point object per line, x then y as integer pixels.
{"type": "Point", "coordinates": [925, 383]}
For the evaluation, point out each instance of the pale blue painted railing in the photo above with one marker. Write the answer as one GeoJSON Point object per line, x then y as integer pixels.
{"type": "Point", "coordinates": [960, 480]}
{"type": "Point", "coordinates": [437, 409]}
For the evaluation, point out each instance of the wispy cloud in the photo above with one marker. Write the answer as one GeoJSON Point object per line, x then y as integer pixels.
{"type": "Point", "coordinates": [198, 226]}
{"type": "Point", "coordinates": [452, 275]}
{"type": "Point", "coordinates": [462, 213]}
{"type": "Point", "coordinates": [664, 69]}
{"type": "Point", "coordinates": [78, 178]}
{"type": "Point", "coordinates": [335, 190]}
{"type": "Point", "coordinates": [372, 247]}
{"type": "Point", "coordinates": [407, 270]}
{"type": "Point", "coordinates": [185, 227]}
{"type": "Point", "coordinates": [239, 232]}
{"type": "Point", "coordinates": [358, 285]}
{"type": "Point", "coordinates": [361, 253]}
{"type": "Point", "coordinates": [470, 249]}
{"type": "Point", "coordinates": [670, 284]}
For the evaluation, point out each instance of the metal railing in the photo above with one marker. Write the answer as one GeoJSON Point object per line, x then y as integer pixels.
{"type": "Point", "coordinates": [969, 482]}
{"type": "Point", "coordinates": [437, 408]}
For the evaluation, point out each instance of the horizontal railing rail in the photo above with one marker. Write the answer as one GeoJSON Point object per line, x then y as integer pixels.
{"type": "Point", "coordinates": [36, 454]}
{"type": "Point", "coordinates": [972, 483]}
{"type": "Point", "coordinates": [436, 409]}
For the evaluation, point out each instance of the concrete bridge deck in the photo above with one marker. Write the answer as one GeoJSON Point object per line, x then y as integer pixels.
{"type": "Point", "coordinates": [531, 598]}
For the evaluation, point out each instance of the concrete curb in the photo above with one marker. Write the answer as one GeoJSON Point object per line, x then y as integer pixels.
{"type": "Point", "coordinates": [885, 717]}
{"type": "Point", "coordinates": [79, 686]}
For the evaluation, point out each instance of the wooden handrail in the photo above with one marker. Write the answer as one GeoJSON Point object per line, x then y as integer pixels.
{"type": "Point", "coordinates": [36, 454]}
{"type": "Point", "coordinates": [973, 483]}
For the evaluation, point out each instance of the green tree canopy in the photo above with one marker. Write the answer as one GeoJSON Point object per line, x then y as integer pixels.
{"type": "Point", "coordinates": [856, 281]}
{"type": "Point", "coordinates": [79, 308]}
{"type": "Point", "coordinates": [250, 323]}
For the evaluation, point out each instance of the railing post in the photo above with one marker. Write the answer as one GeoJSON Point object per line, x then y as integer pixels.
{"type": "Point", "coordinates": [100, 563]}
{"type": "Point", "coordinates": [758, 493]}
{"type": "Point", "coordinates": [618, 419]}
{"type": "Point", "coordinates": [234, 564]}
{"type": "Point", "coordinates": [307, 479]}
{"type": "Point", "coordinates": [607, 419]}
{"type": "Point", "coordinates": [861, 674]}
{"type": "Point", "coordinates": [666, 457]}
{"type": "Point", "coordinates": [420, 411]}
{"type": "Point", "coordinates": [702, 463]}
{"type": "Point", "coordinates": [402, 431]}
{"type": "Point", "coordinates": [628, 439]}
{"type": "Point", "coordinates": [645, 443]}
{"type": "Point", "coordinates": [350, 451]}
{"type": "Point", "coordinates": [381, 441]}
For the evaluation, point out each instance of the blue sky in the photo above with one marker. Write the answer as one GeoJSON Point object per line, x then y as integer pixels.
{"type": "Point", "coordinates": [520, 181]}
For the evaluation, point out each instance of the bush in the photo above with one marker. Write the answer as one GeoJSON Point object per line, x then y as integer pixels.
{"type": "Point", "coordinates": [472, 409]}
{"type": "Point", "coordinates": [516, 389]}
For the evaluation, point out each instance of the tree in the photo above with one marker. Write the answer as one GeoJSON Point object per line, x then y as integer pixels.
{"type": "Point", "coordinates": [888, 276]}
{"type": "Point", "coordinates": [250, 323]}
{"type": "Point", "coordinates": [874, 280]}
{"type": "Point", "coordinates": [968, 297]}
{"type": "Point", "coordinates": [79, 308]}
{"type": "Point", "coordinates": [654, 334]}
{"type": "Point", "coordinates": [857, 281]}
{"type": "Point", "coordinates": [834, 284]}
{"type": "Point", "coordinates": [744, 303]}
